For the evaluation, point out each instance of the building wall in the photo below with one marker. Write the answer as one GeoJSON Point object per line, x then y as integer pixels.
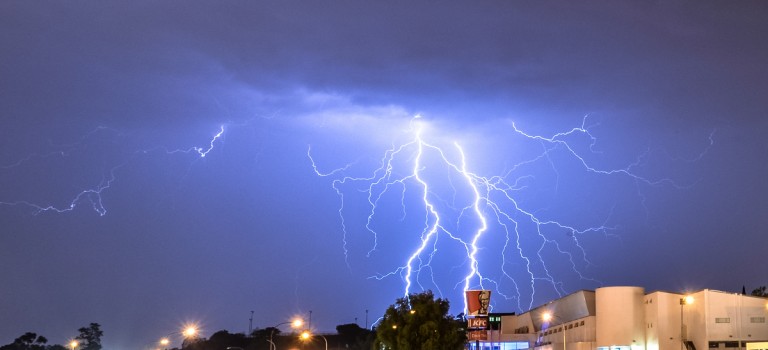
{"type": "Point", "coordinates": [578, 333]}
{"type": "Point", "coordinates": [662, 321]}
{"type": "Point", "coordinates": [624, 318]}
{"type": "Point", "coordinates": [728, 319]}
{"type": "Point", "coordinates": [620, 317]}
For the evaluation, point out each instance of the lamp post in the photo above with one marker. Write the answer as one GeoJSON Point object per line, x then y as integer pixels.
{"type": "Point", "coordinates": [306, 336]}
{"type": "Point", "coordinates": [189, 331]}
{"type": "Point", "coordinates": [547, 317]}
{"type": "Point", "coordinates": [687, 300]}
{"type": "Point", "coordinates": [295, 324]}
{"type": "Point", "coordinates": [73, 344]}
{"type": "Point", "coordinates": [164, 343]}
{"type": "Point", "coordinates": [250, 324]}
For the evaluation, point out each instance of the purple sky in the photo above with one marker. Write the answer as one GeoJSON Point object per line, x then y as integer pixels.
{"type": "Point", "coordinates": [612, 143]}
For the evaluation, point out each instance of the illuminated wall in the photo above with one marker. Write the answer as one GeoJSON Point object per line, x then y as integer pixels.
{"type": "Point", "coordinates": [620, 318]}
{"type": "Point", "coordinates": [662, 321]}
{"type": "Point", "coordinates": [721, 320]}
{"type": "Point", "coordinates": [625, 318]}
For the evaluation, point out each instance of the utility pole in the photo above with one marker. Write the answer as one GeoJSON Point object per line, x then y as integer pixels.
{"type": "Point", "coordinates": [250, 324]}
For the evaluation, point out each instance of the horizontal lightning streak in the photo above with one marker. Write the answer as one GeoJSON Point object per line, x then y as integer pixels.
{"type": "Point", "coordinates": [92, 195]}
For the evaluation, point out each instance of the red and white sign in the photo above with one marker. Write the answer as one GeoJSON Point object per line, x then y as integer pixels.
{"type": "Point", "coordinates": [477, 335]}
{"type": "Point", "coordinates": [478, 302]}
{"type": "Point", "coordinates": [477, 323]}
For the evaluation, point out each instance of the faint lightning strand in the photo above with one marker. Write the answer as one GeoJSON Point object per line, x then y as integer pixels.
{"type": "Point", "coordinates": [557, 139]}
{"type": "Point", "coordinates": [94, 195]}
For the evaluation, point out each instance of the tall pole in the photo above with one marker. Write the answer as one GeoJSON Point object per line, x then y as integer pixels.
{"type": "Point", "coordinates": [250, 324]}
{"type": "Point", "coordinates": [682, 302]}
{"type": "Point", "coordinates": [549, 316]}
{"type": "Point", "coordinates": [366, 318]}
{"type": "Point", "coordinates": [307, 336]}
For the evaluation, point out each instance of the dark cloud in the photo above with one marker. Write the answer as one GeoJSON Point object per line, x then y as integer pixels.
{"type": "Point", "coordinates": [128, 93]}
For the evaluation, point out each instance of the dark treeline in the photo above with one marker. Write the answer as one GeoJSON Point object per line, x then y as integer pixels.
{"type": "Point", "coordinates": [88, 339]}
{"type": "Point", "coordinates": [348, 337]}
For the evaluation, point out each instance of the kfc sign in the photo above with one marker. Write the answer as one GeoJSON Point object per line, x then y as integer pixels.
{"type": "Point", "coordinates": [477, 323]}
{"type": "Point", "coordinates": [478, 302]}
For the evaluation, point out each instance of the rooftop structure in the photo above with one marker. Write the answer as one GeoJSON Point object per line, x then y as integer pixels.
{"type": "Point", "coordinates": [627, 318]}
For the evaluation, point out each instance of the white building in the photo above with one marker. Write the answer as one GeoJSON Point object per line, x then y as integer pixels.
{"type": "Point", "coordinates": [626, 318]}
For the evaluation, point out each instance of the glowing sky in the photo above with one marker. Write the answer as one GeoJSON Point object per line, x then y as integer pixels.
{"type": "Point", "coordinates": [637, 127]}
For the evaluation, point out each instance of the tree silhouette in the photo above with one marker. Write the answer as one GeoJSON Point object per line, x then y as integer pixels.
{"type": "Point", "coordinates": [90, 337]}
{"type": "Point", "coordinates": [351, 336]}
{"type": "Point", "coordinates": [419, 322]}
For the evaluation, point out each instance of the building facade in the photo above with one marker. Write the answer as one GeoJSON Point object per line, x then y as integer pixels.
{"type": "Point", "coordinates": [627, 318]}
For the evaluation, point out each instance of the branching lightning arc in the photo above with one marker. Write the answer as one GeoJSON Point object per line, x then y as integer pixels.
{"type": "Point", "coordinates": [471, 212]}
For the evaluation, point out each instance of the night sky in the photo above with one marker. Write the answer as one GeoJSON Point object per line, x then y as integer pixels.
{"type": "Point", "coordinates": [611, 143]}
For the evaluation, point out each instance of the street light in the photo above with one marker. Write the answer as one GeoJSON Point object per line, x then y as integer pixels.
{"type": "Point", "coordinates": [164, 342]}
{"type": "Point", "coordinates": [307, 336]}
{"type": "Point", "coordinates": [295, 324]}
{"type": "Point", "coordinates": [188, 331]}
{"type": "Point", "coordinates": [547, 317]}
{"type": "Point", "coordinates": [687, 300]}
{"type": "Point", "coordinates": [73, 344]}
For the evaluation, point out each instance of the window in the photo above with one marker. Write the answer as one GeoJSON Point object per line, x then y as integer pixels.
{"type": "Point", "coordinates": [757, 319]}
{"type": "Point", "coordinates": [722, 320]}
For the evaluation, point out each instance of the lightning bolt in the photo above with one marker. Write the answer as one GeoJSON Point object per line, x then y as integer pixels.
{"type": "Point", "coordinates": [472, 212]}
{"type": "Point", "coordinates": [93, 194]}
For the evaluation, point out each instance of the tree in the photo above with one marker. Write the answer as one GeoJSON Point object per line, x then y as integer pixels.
{"type": "Point", "coordinates": [261, 337]}
{"type": "Point", "coordinates": [419, 322]}
{"type": "Point", "coordinates": [760, 292]}
{"type": "Point", "coordinates": [353, 337]}
{"type": "Point", "coordinates": [223, 339]}
{"type": "Point", "coordinates": [90, 337]}
{"type": "Point", "coordinates": [27, 341]}
{"type": "Point", "coordinates": [56, 347]}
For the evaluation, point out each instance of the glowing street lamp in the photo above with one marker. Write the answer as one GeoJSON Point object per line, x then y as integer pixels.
{"type": "Point", "coordinates": [165, 342]}
{"type": "Point", "coordinates": [73, 344]}
{"type": "Point", "coordinates": [188, 331]}
{"type": "Point", "coordinates": [307, 336]}
{"type": "Point", "coordinates": [547, 317]}
{"type": "Point", "coordinates": [296, 323]}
